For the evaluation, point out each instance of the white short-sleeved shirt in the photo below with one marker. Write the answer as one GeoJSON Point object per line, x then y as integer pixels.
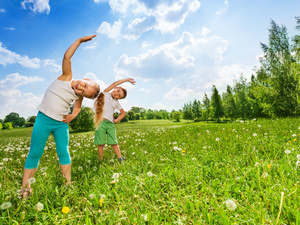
{"type": "Point", "coordinates": [57, 99]}
{"type": "Point", "coordinates": [110, 105]}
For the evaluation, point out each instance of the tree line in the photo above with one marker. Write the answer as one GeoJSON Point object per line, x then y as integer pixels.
{"type": "Point", "coordinates": [273, 91]}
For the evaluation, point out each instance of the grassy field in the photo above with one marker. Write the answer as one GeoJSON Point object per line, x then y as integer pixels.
{"type": "Point", "coordinates": [175, 173]}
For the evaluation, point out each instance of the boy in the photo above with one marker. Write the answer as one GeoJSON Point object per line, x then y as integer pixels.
{"type": "Point", "coordinates": [107, 125]}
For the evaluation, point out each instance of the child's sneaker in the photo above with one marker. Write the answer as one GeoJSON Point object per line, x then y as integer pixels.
{"type": "Point", "coordinates": [121, 161]}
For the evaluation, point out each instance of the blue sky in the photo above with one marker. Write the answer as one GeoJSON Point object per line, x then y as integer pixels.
{"type": "Point", "coordinates": [174, 49]}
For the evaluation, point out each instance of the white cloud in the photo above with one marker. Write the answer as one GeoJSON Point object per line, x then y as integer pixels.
{"type": "Point", "coordinates": [39, 6]}
{"type": "Point", "coordinates": [224, 9]}
{"type": "Point", "coordinates": [145, 15]}
{"type": "Point", "coordinates": [92, 46]}
{"type": "Point", "coordinates": [13, 100]}
{"type": "Point", "coordinates": [113, 31]}
{"type": "Point", "coordinates": [9, 57]}
{"type": "Point", "coordinates": [2, 11]}
{"type": "Point", "coordinates": [9, 28]}
{"type": "Point", "coordinates": [188, 55]}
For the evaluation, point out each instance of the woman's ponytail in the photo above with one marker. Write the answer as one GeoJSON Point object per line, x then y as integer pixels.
{"type": "Point", "coordinates": [98, 106]}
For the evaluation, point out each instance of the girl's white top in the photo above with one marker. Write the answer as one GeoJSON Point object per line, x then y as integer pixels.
{"type": "Point", "coordinates": [110, 105]}
{"type": "Point", "coordinates": [57, 99]}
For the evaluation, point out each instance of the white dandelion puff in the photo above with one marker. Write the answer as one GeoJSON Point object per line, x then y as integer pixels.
{"type": "Point", "coordinates": [39, 206]}
{"type": "Point", "coordinates": [92, 196]}
{"type": "Point", "coordinates": [5, 205]}
{"type": "Point", "coordinates": [230, 204]}
{"type": "Point", "coordinates": [255, 134]}
{"type": "Point", "coordinates": [115, 176]}
{"type": "Point", "coordinates": [287, 152]}
{"type": "Point", "coordinates": [114, 181]}
{"type": "Point", "coordinates": [217, 139]}
{"type": "Point", "coordinates": [265, 175]}
{"type": "Point", "coordinates": [31, 180]}
{"type": "Point", "coordinates": [150, 174]}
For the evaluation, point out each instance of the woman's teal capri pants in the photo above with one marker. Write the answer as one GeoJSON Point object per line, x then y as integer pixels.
{"type": "Point", "coordinates": [42, 128]}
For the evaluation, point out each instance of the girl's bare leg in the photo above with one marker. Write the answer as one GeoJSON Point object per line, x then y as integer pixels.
{"type": "Point", "coordinates": [66, 170]}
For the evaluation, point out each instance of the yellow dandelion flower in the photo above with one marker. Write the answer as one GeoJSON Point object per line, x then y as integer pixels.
{"type": "Point", "coordinates": [295, 139]}
{"type": "Point", "coordinates": [183, 151]}
{"type": "Point", "coordinates": [65, 209]}
{"type": "Point", "coordinates": [101, 201]}
{"type": "Point", "coordinates": [269, 166]}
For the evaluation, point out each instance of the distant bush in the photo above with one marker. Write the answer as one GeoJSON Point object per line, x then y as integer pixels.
{"type": "Point", "coordinates": [8, 125]}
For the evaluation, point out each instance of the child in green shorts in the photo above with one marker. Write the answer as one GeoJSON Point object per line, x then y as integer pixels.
{"type": "Point", "coordinates": [107, 125]}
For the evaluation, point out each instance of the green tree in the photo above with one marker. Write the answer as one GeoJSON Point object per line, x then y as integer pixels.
{"type": "Point", "coordinates": [196, 109]}
{"type": "Point", "coordinates": [277, 65]}
{"type": "Point", "coordinates": [131, 115]}
{"type": "Point", "coordinates": [241, 98]}
{"type": "Point", "coordinates": [229, 105]}
{"type": "Point", "coordinates": [1, 127]}
{"type": "Point", "coordinates": [30, 121]}
{"type": "Point", "coordinates": [176, 116]}
{"type": "Point", "coordinates": [150, 114]}
{"type": "Point", "coordinates": [205, 107]}
{"type": "Point", "coordinates": [15, 119]}
{"type": "Point", "coordinates": [216, 104]}
{"type": "Point", "coordinates": [187, 111]}
{"type": "Point", "coordinates": [84, 121]}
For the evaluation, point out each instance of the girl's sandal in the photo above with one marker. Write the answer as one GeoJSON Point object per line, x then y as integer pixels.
{"type": "Point", "coordinates": [25, 193]}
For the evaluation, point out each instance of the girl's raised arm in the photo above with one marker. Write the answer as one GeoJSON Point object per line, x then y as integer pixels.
{"type": "Point", "coordinates": [66, 65]}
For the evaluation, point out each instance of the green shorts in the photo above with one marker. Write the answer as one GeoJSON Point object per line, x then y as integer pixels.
{"type": "Point", "coordinates": [106, 128]}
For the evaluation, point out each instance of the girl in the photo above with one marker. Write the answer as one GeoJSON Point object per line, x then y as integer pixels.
{"type": "Point", "coordinates": [53, 117]}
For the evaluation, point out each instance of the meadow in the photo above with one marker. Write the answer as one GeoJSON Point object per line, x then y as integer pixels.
{"type": "Point", "coordinates": [174, 173]}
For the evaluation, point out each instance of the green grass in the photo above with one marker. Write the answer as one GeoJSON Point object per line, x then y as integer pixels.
{"type": "Point", "coordinates": [196, 168]}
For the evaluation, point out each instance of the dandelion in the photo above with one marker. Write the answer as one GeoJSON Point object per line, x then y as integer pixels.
{"type": "Point", "coordinates": [115, 176]}
{"type": "Point", "coordinates": [133, 153]}
{"type": "Point", "coordinates": [5, 205]}
{"type": "Point", "coordinates": [297, 163]}
{"type": "Point", "coordinates": [43, 169]}
{"type": "Point", "coordinates": [80, 168]}
{"type": "Point", "coordinates": [294, 135]}
{"type": "Point", "coordinates": [31, 180]}
{"type": "Point", "coordinates": [259, 125]}
{"type": "Point", "coordinates": [150, 174]}
{"type": "Point", "coordinates": [269, 166]}
{"type": "Point", "coordinates": [230, 204]}
{"type": "Point", "coordinates": [39, 206]}
{"type": "Point", "coordinates": [182, 151]}
{"type": "Point", "coordinates": [65, 209]}
{"type": "Point", "coordinates": [255, 134]}
{"type": "Point", "coordinates": [287, 152]}
{"type": "Point", "coordinates": [217, 139]}
{"type": "Point", "coordinates": [265, 175]}
{"type": "Point", "coordinates": [256, 164]}
{"type": "Point", "coordinates": [95, 168]}
{"type": "Point", "coordinates": [144, 216]}
{"type": "Point", "coordinates": [298, 156]}
{"type": "Point", "coordinates": [101, 202]}
{"type": "Point", "coordinates": [114, 181]}
{"type": "Point", "coordinates": [91, 196]}
{"type": "Point", "coordinates": [5, 159]}
{"type": "Point", "coordinates": [175, 148]}
{"type": "Point", "coordinates": [103, 196]}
